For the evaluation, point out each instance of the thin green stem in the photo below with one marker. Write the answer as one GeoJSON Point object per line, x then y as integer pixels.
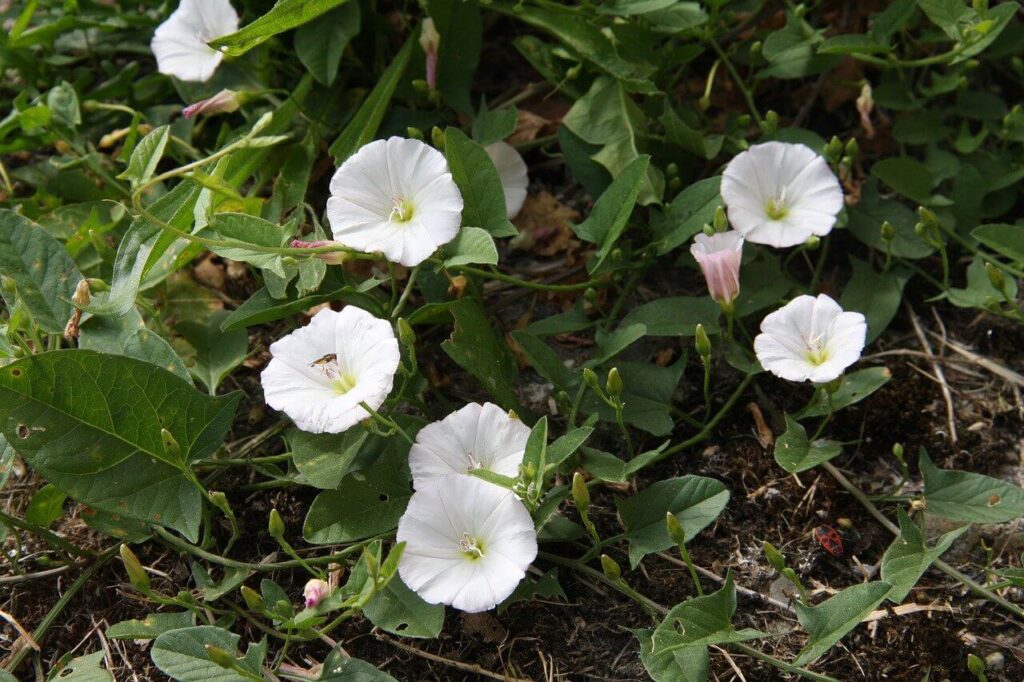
{"type": "Point", "coordinates": [540, 286]}
{"type": "Point", "coordinates": [386, 422]}
{"type": "Point", "coordinates": [736, 79]}
{"type": "Point", "coordinates": [707, 430]}
{"type": "Point", "coordinates": [396, 310]}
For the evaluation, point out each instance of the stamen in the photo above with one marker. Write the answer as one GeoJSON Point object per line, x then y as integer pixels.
{"type": "Point", "coordinates": [471, 546]}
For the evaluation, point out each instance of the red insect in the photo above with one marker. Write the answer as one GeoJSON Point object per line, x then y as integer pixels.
{"type": "Point", "coordinates": [829, 538]}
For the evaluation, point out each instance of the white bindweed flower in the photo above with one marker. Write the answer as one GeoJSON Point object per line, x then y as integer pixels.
{"type": "Point", "coordinates": [514, 177]}
{"type": "Point", "coordinates": [781, 194]}
{"type": "Point", "coordinates": [180, 43]}
{"type": "Point", "coordinates": [395, 196]}
{"type": "Point", "coordinates": [474, 437]}
{"type": "Point", "coordinates": [719, 259]}
{"type": "Point", "coordinates": [810, 339]}
{"type": "Point", "coordinates": [468, 543]}
{"type": "Point", "coordinates": [320, 374]}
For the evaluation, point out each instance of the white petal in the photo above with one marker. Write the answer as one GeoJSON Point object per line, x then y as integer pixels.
{"type": "Point", "coordinates": [382, 175]}
{"type": "Point", "coordinates": [366, 353]}
{"type": "Point", "coordinates": [440, 514]}
{"type": "Point", "coordinates": [476, 436]}
{"type": "Point", "coordinates": [514, 175]}
{"type": "Point", "coordinates": [180, 43]}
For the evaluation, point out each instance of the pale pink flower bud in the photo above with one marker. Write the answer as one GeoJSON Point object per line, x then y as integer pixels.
{"type": "Point", "coordinates": [865, 103]}
{"type": "Point", "coordinates": [719, 259]}
{"type": "Point", "coordinates": [331, 258]}
{"type": "Point", "coordinates": [224, 102]}
{"type": "Point", "coordinates": [430, 41]}
{"type": "Point", "coordinates": [315, 591]}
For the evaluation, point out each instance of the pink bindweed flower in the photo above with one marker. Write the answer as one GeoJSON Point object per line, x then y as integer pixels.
{"type": "Point", "coordinates": [224, 102]}
{"type": "Point", "coordinates": [315, 591]}
{"type": "Point", "coordinates": [719, 259]}
{"type": "Point", "coordinates": [331, 258]}
{"type": "Point", "coordinates": [430, 41]}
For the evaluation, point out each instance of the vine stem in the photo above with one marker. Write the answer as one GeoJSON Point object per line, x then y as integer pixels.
{"type": "Point", "coordinates": [502, 277]}
{"type": "Point", "coordinates": [967, 582]}
{"type": "Point", "coordinates": [736, 79]}
{"type": "Point", "coordinates": [706, 431]}
{"type": "Point", "coordinates": [653, 606]}
{"type": "Point", "coordinates": [46, 534]}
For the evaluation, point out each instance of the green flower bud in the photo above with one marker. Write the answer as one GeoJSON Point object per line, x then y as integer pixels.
{"type": "Point", "coordinates": [708, 229]}
{"type": "Point", "coordinates": [897, 451]}
{"type": "Point", "coordinates": [852, 148]}
{"type": "Point", "coordinates": [770, 123]}
{"type": "Point", "coordinates": [812, 243]}
{"type": "Point", "coordinates": [743, 120]}
{"type": "Point", "coordinates": [701, 342]}
{"type": "Point", "coordinates": [704, 103]}
{"type": "Point", "coordinates": [672, 170]}
{"type": "Point", "coordinates": [800, 11]}
{"type": "Point", "coordinates": [888, 231]}
{"type": "Point", "coordinates": [774, 557]}
{"type": "Point", "coordinates": [221, 657]}
{"type": "Point", "coordinates": [610, 568]}
{"type": "Point", "coordinates": [136, 574]}
{"type": "Point", "coordinates": [927, 216]}
{"type": "Point", "coordinates": [996, 277]}
{"type": "Point", "coordinates": [834, 149]}
{"type": "Point", "coordinates": [437, 135]}
{"type": "Point", "coordinates": [614, 382]}
{"type": "Point", "coordinates": [590, 378]}
{"type": "Point", "coordinates": [675, 529]}
{"type": "Point", "coordinates": [755, 49]}
{"type": "Point", "coordinates": [721, 220]}
{"type": "Point", "coordinates": [275, 526]}
{"type": "Point", "coordinates": [252, 598]}
{"type": "Point", "coordinates": [580, 493]}
{"type": "Point", "coordinates": [415, 133]}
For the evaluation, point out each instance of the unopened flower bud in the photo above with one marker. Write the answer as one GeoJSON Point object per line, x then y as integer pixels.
{"type": "Point", "coordinates": [701, 342]}
{"type": "Point", "coordinates": [865, 104]}
{"type": "Point", "coordinates": [580, 492]}
{"type": "Point", "coordinates": [675, 529]}
{"type": "Point", "coordinates": [136, 574]}
{"type": "Point", "coordinates": [774, 557]}
{"type": "Point", "coordinates": [614, 382]}
{"type": "Point", "coordinates": [755, 49]}
{"type": "Point", "coordinates": [437, 137]}
{"type": "Point", "coordinates": [315, 591]}
{"type": "Point", "coordinates": [888, 231]}
{"type": "Point", "coordinates": [897, 451]}
{"type": "Point", "coordinates": [590, 378]}
{"type": "Point", "coordinates": [415, 133]}
{"type": "Point", "coordinates": [770, 123]}
{"type": "Point", "coordinates": [708, 229]}
{"type": "Point", "coordinates": [221, 657]}
{"type": "Point", "coordinates": [996, 277]}
{"type": "Point", "coordinates": [721, 220]}
{"type": "Point", "coordinates": [812, 243]}
{"type": "Point", "coordinates": [852, 148]}
{"type": "Point", "coordinates": [927, 216]}
{"type": "Point", "coordinates": [252, 598]}
{"type": "Point", "coordinates": [224, 102]}
{"type": "Point", "coordinates": [329, 257]}
{"type": "Point", "coordinates": [610, 568]}
{"type": "Point", "coordinates": [171, 447]}
{"type": "Point", "coordinates": [430, 41]}
{"type": "Point", "coordinates": [275, 525]}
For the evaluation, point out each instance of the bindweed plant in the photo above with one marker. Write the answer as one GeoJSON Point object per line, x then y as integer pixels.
{"type": "Point", "coordinates": [327, 315]}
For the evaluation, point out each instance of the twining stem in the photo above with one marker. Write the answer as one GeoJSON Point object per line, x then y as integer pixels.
{"type": "Point", "coordinates": [397, 309]}
{"type": "Point", "coordinates": [706, 431]}
{"type": "Point", "coordinates": [652, 606]}
{"type": "Point", "coordinates": [502, 277]}
{"type": "Point", "coordinates": [184, 546]}
{"type": "Point", "coordinates": [386, 422]}
{"type": "Point", "coordinates": [967, 582]}
{"type": "Point", "coordinates": [736, 79]}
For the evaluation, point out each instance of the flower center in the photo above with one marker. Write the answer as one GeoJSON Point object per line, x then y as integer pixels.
{"type": "Point", "coordinates": [776, 208]}
{"type": "Point", "coordinates": [817, 352]}
{"type": "Point", "coordinates": [402, 211]}
{"type": "Point", "coordinates": [471, 547]}
{"type": "Point", "coordinates": [343, 383]}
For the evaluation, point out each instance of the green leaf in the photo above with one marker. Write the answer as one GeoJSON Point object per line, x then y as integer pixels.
{"type": "Point", "coordinates": [676, 316]}
{"type": "Point", "coordinates": [400, 611]}
{"type": "Point", "coordinates": [340, 667]}
{"type": "Point", "coordinates": [906, 176]}
{"type": "Point", "coordinates": [829, 621]}
{"type": "Point", "coordinates": [478, 180]}
{"type": "Point", "coordinates": [608, 117]}
{"type": "Point", "coordinates": [684, 664]}
{"type": "Point", "coordinates": [966, 496]}
{"type": "Point", "coordinates": [182, 655]}
{"type": "Point", "coordinates": [855, 387]}
{"type": "Point", "coordinates": [795, 453]}
{"type": "Point", "coordinates": [949, 15]}
{"type": "Point", "coordinates": [471, 245]}
{"type": "Point", "coordinates": [320, 44]}
{"type": "Point", "coordinates": [867, 216]}
{"type": "Point", "coordinates": [91, 424]}
{"type": "Point", "coordinates": [363, 126]}
{"type": "Point", "coordinates": [7, 454]}
{"type": "Point", "coordinates": [856, 43]}
{"type": "Point", "coordinates": [44, 274]}
{"type": "Point", "coordinates": [459, 25]}
{"type": "Point", "coordinates": [908, 557]}
{"type": "Point", "coordinates": [366, 503]}
{"type": "Point", "coordinates": [687, 214]}
{"type": "Point", "coordinates": [647, 398]}
{"type": "Point", "coordinates": [116, 526]}
{"type": "Point", "coordinates": [477, 349]}
{"type": "Point", "coordinates": [545, 361]}
{"type": "Point", "coordinates": [63, 103]}
{"type": "Point", "coordinates": [87, 668]}
{"type": "Point", "coordinates": [283, 16]}
{"type": "Point", "coordinates": [537, 446]}
{"type": "Point", "coordinates": [211, 589]}
{"type": "Point", "coordinates": [693, 140]}
{"type": "Point", "coordinates": [702, 621]}
{"type": "Point", "coordinates": [146, 156]}
{"type": "Point", "coordinates": [263, 307]}
{"type": "Point", "coordinates": [492, 126]}
{"type": "Point", "coordinates": [150, 627]}
{"type": "Point", "coordinates": [612, 210]}
{"type": "Point", "coordinates": [695, 500]}
{"type": "Point", "coordinates": [247, 229]}
{"type": "Point", "coordinates": [997, 19]}
{"type": "Point", "coordinates": [46, 506]}
{"type": "Point", "coordinates": [979, 291]}
{"type": "Point", "coordinates": [876, 295]}
{"type": "Point", "coordinates": [565, 446]}
{"type": "Point", "coordinates": [610, 344]}
{"type": "Point", "coordinates": [324, 459]}
{"type": "Point", "coordinates": [1007, 240]}
{"type": "Point", "coordinates": [217, 352]}
{"type": "Point", "coordinates": [128, 335]}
